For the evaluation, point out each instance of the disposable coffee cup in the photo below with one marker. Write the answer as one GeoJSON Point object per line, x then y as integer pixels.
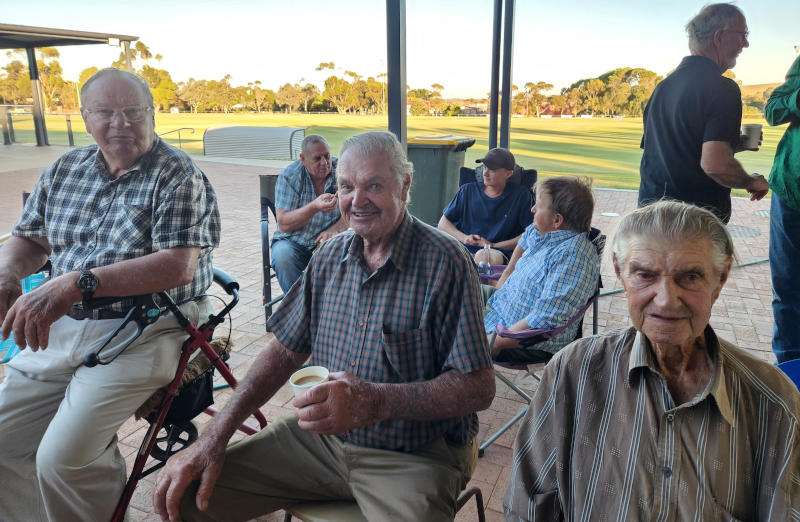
{"type": "Point", "coordinates": [306, 378]}
{"type": "Point", "coordinates": [752, 134]}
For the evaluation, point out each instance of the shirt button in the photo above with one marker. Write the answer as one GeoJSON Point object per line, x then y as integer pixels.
{"type": "Point", "coordinates": [670, 417]}
{"type": "Point", "coordinates": [352, 363]}
{"type": "Point", "coordinates": [667, 472]}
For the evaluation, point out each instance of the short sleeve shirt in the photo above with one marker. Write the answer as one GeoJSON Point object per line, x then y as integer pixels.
{"type": "Point", "coordinates": [91, 219]}
{"type": "Point", "coordinates": [295, 189]}
{"type": "Point", "coordinates": [414, 318]}
{"type": "Point", "coordinates": [496, 219]}
{"type": "Point", "coordinates": [691, 106]}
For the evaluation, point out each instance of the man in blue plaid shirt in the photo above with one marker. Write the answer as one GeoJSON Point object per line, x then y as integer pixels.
{"type": "Point", "coordinates": [306, 209]}
{"type": "Point", "coordinates": [554, 269]}
{"type": "Point", "coordinates": [393, 310]}
{"type": "Point", "coordinates": [127, 216]}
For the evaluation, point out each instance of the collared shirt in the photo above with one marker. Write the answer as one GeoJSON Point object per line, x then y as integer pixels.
{"type": "Point", "coordinates": [783, 106]}
{"type": "Point", "coordinates": [412, 319]}
{"type": "Point", "coordinates": [552, 280]}
{"type": "Point", "coordinates": [691, 106]}
{"type": "Point", "coordinates": [295, 189]}
{"type": "Point", "coordinates": [91, 219]}
{"type": "Point", "coordinates": [604, 440]}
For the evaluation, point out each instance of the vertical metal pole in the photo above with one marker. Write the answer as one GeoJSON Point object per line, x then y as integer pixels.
{"type": "Point", "coordinates": [4, 117]}
{"type": "Point", "coordinates": [10, 121]}
{"type": "Point", "coordinates": [508, 50]}
{"type": "Point", "coordinates": [494, 91]}
{"type": "Point", "coordinates": [38, 115]}
{"type": "Point", "coordinates": [126, 49]}
{"type": "Point", "coordinates": [396, 67]}
{"type": "Point", "coordinates": [70, 137]}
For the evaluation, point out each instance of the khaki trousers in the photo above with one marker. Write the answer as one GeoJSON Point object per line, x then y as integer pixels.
{"type": "Point", "coordinates": [58, 419]}
{"type": "Point", "coordinates": [284, 465]}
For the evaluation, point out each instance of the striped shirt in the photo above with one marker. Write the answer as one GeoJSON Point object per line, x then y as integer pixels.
{"type": "Point", "coordinates": [91, 219]}
{"type": "Point", "coordinates": [414, 318]}
{"type": "Point", "coordinates": [604, 440]}
{"type": "Point", "coordinates": [553, 279]}
{"type": "Point", "coordinates": [294, 189]}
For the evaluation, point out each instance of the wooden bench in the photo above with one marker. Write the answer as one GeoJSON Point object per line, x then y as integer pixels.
{"type": "Point", "coordinates": [257, 143]}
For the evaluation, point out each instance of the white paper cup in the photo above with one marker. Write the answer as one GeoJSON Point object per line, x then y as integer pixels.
{"type": "Point", "coordinates": [306, 378]}
{"type": "Point", "coordinates": [752, 131]}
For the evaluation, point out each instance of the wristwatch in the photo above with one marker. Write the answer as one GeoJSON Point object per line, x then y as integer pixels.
{"type": "Point", "coordinates": [87, 284]}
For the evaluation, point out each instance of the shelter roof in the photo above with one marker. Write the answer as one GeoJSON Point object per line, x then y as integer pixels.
{"type": "Point", "coordinates": [21, 36]}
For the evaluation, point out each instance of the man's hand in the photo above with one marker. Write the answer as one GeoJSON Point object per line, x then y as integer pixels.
{"type": "Point", "coordinates": [342, 403]}
{"type": "Point", "coordinates": [32, 314]}
{"type": "Point", "coordinates": [201, 461]}
{"type": "Point", "coordinates": [474, 240]}
{"type": "Point", "coordinates": [10, 290]}
{"type": "Point", "coordinates": [758, 187]}
{"type": "Point", "coordinates": [325, 202]}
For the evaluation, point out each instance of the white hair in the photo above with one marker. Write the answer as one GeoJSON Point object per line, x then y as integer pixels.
{"type": "Point", "coordinates": [710, 19]}
{"type": "Point", "coordinates": [119, 73]}
{"type": "Point", "coordinates": [374, 143]}
{"type": "Point", "coordinates": [672, 222]}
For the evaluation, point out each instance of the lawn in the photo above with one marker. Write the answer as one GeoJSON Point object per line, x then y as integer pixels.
{"type": "Point", "coordinates": [604, 149]}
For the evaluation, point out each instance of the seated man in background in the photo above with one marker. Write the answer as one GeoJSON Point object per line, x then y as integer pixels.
{"type": "Point", "coordinates": [306, 210]}
{"type": "Point", "coordinates": [554, 269]}
{"type": "Point", "coordinates": [662, 420]}
{"type": "Point", "coordinates": [494, 212]}
{"type": "Point", "coordinates": [392, 308]}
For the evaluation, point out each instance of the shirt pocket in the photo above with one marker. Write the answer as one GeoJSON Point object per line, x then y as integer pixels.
{"type": "Point", "coordinates": [133, 224]}
{"type": "Point", "coordinates": [410, 355]}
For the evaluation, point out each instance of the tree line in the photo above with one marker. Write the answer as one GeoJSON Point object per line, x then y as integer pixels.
{"type": "Point", "coordinates": [620, 92]}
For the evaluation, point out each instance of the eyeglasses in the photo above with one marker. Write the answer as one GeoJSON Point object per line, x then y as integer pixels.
{"type": "Point", "coordinates": [133, 114]}
{"type": "Point", "coordinates": [745, 34]}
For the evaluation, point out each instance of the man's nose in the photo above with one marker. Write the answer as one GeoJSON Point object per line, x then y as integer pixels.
{"type": "Point", "coordinates": [118, 119]}
{"type": "Point", "coordinates": [666, 292]}
{"type": "Point", "coordinates": [360, 198]}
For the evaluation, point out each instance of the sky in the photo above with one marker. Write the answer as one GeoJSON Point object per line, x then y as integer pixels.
{"type": "Point", "coordinates": [448, 41]}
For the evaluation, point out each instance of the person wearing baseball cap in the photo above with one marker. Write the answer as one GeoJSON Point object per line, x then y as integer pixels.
{"type": "Point", "coordinates": [492, 211]}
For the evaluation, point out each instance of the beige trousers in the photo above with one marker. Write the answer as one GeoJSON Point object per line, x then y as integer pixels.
{"type": "Point", "coordinates": [284, 465]}
{"type": "Point", "coordinates": [58, 419]}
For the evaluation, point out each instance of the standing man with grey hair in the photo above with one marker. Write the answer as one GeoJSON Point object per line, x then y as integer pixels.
{"type": "Point", "coordinates": [662, 420]}
{"type": "Point", "coordinates": [130, 215]}
{"type": "Point", "coordinates": [692, 121]}
{"type": "Point", "coordinates": [306, 209]}
{"type": "Point", "coordinates": [393, 309]}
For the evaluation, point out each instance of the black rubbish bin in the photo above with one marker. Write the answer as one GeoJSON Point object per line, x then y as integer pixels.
{"type": "Point", "coordinates": [437, 160]}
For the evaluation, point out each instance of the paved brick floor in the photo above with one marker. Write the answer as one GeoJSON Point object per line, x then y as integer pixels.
{"type": "Point", "coordinates": [742, 314]}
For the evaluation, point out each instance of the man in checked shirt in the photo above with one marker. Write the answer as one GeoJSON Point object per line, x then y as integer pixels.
{"type": "Point", "coordinates": [128, 216]}
{"type": "Point", "coordinates": [393, 309]}
{"type": "Point", "coordinates": [662, 420]}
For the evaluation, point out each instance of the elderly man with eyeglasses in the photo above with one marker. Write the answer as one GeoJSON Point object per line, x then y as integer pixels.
{"type": "Point", "coordinates": [130, 215]}
{"type": "Point", "coordinates": [692, 121]}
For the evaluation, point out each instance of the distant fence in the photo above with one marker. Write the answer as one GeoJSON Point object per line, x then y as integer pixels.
{"type": "Point", "coordinates": [258, 143]}
{"type": "Point", "coordinates": [17, 124]}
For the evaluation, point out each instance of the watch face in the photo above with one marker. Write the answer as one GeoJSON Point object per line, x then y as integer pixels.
{"type": "Point", "coordinates": [87, 282]}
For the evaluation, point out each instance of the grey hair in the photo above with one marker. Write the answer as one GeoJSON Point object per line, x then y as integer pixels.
{"type": "Point", "coordinates": [119, 73]}
{"type": "Point", "coordinates": [313, 139]}
{"type": "Point", "coordinates": [673, 222]}
{"type": "Point", "coordinates": [710, 19]}
{"type": "Point", "coordinates": [379, 142]}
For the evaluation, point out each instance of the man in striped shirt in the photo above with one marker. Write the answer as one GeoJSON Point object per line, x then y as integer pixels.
{"type": "Point", "coordinates": [664, 420]}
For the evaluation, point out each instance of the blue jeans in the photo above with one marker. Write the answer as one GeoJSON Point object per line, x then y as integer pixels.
{"type": "Point", "coordinates": [784, 261]}
{"type": "Point", "coordinates": [289, 260]}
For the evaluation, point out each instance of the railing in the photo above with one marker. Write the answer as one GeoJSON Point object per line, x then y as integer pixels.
{"type": "Point", "coordinates": [180, 143]}
{"type": "Point", "coordinates": [11, 134]}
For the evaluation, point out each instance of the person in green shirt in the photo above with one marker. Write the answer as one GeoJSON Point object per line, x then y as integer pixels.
{"type": "Point", "coordinates": [782, 107]}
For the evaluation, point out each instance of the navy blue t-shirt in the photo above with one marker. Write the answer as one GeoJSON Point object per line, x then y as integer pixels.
{"type": "Point", "coordinates": [496, 219]}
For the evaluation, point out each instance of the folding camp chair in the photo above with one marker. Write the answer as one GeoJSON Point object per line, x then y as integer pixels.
{"type": "Point", "coordinates": [523, 358]}
{"type": "Point", "coordinates": [792, 370]}
{"type": "Point", "coordinates": [267, 184]}
{"type": "Point", "coordinates": [345, 511]}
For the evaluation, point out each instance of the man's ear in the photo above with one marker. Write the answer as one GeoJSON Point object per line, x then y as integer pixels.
{"type": "Point", "coordinates": [406, 186]}
{"type": "Point", "coordinates": [558, 221]}
{"type": "Point", "coordinates": [617, 267]}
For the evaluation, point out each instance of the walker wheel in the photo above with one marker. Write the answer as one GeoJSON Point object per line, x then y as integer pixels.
{"type": "Point", "coordinates": [173, 438]}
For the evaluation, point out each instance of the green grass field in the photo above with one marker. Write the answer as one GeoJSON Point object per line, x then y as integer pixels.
{"type": "Point", "coordinates": [604, 149]}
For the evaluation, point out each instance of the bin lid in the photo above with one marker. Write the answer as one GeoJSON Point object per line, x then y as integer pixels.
{"type": "Point", "coordinates": [458, 143]}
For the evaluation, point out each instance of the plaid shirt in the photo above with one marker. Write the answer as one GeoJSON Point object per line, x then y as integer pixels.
{"type": "Point", "coordinates": [416, 317]}
{"type": "Point", "coordinates": [604, 440]}
{"type": "Point", "coordinates": [552, 280]}
{"type": "Point", "coordinates": [295, 189]}
{"type": "Point", "coordinates": [91, 219]}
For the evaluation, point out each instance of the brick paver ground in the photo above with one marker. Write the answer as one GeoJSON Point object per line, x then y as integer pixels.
{"type": "Point", "coordinates": [742, 314]}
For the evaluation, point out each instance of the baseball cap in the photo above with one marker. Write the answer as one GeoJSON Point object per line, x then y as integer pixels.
{"type": "Point", "coordinates": [498, 159]}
